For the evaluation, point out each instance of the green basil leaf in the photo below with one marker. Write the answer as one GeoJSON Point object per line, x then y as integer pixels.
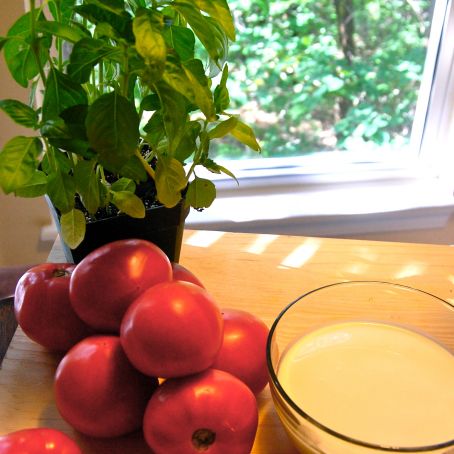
{"type": "Point", "coordinates": [36, 186]}
{"type": "Point", "coordinates": [61, 93]}
{"type": "Point", "coordinates": [181, 39]}
{"type": "Point", "coordinates": [221, 93]}
{"type": "Point", "coordinates": [74, 118]}
{"type": "Point", "coordinates": [170, 179]}
{"type": "Point", "coordinates": [67, 136]}
{"type": "Point", "coordinates": [104, 193]}
{"type": "Point", "coordinates": [150, 44]}
{"type": "Point", "coordinates": [190, 81]}
{"type": "Point", "coordinates": [123, 184]}
{"type": "Point", "coordinates": [19, 112]}
{"type": "Point", "coordinates": [77, 146]}
{"type": "Point", "coordinates": [223, 128]}
{"type": "Point", "coordinates": [73, 226]}
{"type": "Point", "coordinates": [87, 53]}
{"type": "Point", "coordinates": [66, 32]}
{"type": "Point", "coordinates": [155, 130]}
{"type": "Point", "coordinates": [18, 162]}
{"type": "Point", "coordinates": [87, 184]}
{"type": "Point", "coordinates": [105, 30]}
{"type": "Point", "coordinates": [18, 39]}
{"type": "Point", "coordinates": [209, 32]}
{"type": "Point", "coordinates": [59, 160]}
{"type": "Point", "coordinates": [18, 52]}
{"type": "Point", "coordinates": [150, 103]}
{"type": "Point", "coordinates": [114, 6]}
{"type": "Point", "coordinates": [134, 170]}
{"type": "Point", "coordinates": [63, 11]}
{"type": "Point", "coordinates": [97, 14]}
{"type": "Point", "coordinates": [129, 203]}
{"type": "Point", "coordinates": [201, 193]}
{"type": "Point", "coordinates": [220, 11]}
{"type": "Point", "coordinates": [188, 143]}
{"type": "Point", "coordinates": [202, 94]}
{"type": "Point", "coordinates": [113, 129]}
{"type": "Point", "coordinates": [61, 190]}
{"type": "Point", "coordinates": [23, 67]}
{"type": "Point", "coordinates": [245, 134]}
{"type": "Point", "coordinates": [136, 4]}
{"type": "Point", "coordinates": [54, 129]}
{"type": "Point", "coordinates": [216, 168]}
{"type": "Point", "coordinates": [175, 77]}
{"type": "Point", "coordinates": [204, 146]}
{"type": "Point", "coordinates": [3, 41]}
{"type": "Point", "coordinates": [174, 114]}
{"type": "Point", "coordinates": [220, 48]}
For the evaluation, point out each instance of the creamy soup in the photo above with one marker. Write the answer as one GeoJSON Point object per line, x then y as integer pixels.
{"type": "Point", "coordinates": [375, 382]}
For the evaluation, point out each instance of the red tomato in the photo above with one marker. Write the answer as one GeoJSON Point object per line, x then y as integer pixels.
{"type": "Point", "coordinates": [38, 441]}
{"type": "Point", "coordinates": [243, 351]}
{"type": "Point", "coordinates": [181, 273]}
{"type": "Point", "coordinates": [107, 280]}
{"type": "Point", "coordinates": [98, 392]}
{"type": "Point", "coordinates": [211, 411]}
{"type": "Point", "coordinates": [43, 309]}
{"type": "Point", "coordinates": [172, 329]}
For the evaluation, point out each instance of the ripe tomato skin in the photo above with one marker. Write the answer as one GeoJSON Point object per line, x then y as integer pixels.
{"type": "Point", "coordinates": [98, 392]}
{"type": "Point", "coordinates": [181, 273]}
{"type": "Point", "coordinates": [243, 350]}
{"type": "Point", "coordinates": [172, 329]}
{"type": "Point", "coordinates": [38, 440]}
{"type": "Point", "coordinates": [212, 401]}
{"type": "Point", "coordinates": [107, 280]}
{"type": "Point", "coordinates": [43, 308]}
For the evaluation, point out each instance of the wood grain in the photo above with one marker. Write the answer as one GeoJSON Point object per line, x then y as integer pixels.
{"type": "Point", "coordinates": [258, 273]}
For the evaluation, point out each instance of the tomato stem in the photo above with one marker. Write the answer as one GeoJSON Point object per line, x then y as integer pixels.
{"type": "Point", "coordinates": [202, 439]}
{"type": "Point", "coordinates": [60, 272]}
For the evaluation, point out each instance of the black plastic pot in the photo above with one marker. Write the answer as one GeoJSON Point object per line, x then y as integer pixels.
{"type": "Point", "coordinates": [162, 226]}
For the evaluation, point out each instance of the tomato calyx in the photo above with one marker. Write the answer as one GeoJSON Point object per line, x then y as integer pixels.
{"type": "Point", "coordinates": [202, 439]}
{"type": "Point", "coordinates": [60, 272]}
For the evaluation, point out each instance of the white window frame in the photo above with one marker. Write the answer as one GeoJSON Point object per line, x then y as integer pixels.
{"type": "Point", "coordinates": [357, 195]}
{"type": "Point", "coordinates": [437, 90]}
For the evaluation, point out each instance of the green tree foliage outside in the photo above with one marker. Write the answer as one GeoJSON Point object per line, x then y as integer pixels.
{"type": "Point", "coordinates": [327, 74]}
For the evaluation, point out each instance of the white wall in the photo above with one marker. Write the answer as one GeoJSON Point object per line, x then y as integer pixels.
{"type": "Point", "coordinates": [21, 220]}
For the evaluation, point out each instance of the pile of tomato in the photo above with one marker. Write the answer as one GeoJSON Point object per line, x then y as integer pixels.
{"type": "Point", "coordinates": [147, 348]}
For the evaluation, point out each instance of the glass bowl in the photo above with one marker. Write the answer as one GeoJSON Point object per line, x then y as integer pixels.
{"type": "Point", "coordinates": [364, 367]}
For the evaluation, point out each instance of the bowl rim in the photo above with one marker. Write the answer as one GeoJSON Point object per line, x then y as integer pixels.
{"type": "Point", "coordinates": [312, 420]}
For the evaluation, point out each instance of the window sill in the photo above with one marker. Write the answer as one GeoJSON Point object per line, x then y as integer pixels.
{"type": "Point", "coordinates": [390, 199]}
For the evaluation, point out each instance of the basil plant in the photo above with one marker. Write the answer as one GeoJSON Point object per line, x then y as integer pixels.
{"type": "Point", "coordinates": [122, 92]}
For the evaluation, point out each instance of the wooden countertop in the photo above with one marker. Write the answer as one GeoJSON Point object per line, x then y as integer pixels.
{"type": "Point", "coordinates": [255, 272]}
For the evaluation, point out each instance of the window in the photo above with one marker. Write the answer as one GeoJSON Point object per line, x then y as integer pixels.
{"type": "Point", "coordinates": [329, 75]}
{"type": "Point", "coordinates": [333, 170]}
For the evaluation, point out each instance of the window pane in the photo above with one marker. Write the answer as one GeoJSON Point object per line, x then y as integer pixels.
{"type": "Point", "coordinates": [325, 75]}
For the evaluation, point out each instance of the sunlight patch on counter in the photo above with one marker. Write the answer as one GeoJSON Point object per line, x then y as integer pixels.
{"type": "Point", "coordinates": [357, 268]}
{"type": "Point", "coordinates": [260, 243]}
{"type": "Point", "coordinates": [410, 270]}
{"type": "Point", "coordinates": [301, 255]}
{"type": "Point", "coordinates": [203, 238]}
{"type": "Point", "coordinates": [366, 253]}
